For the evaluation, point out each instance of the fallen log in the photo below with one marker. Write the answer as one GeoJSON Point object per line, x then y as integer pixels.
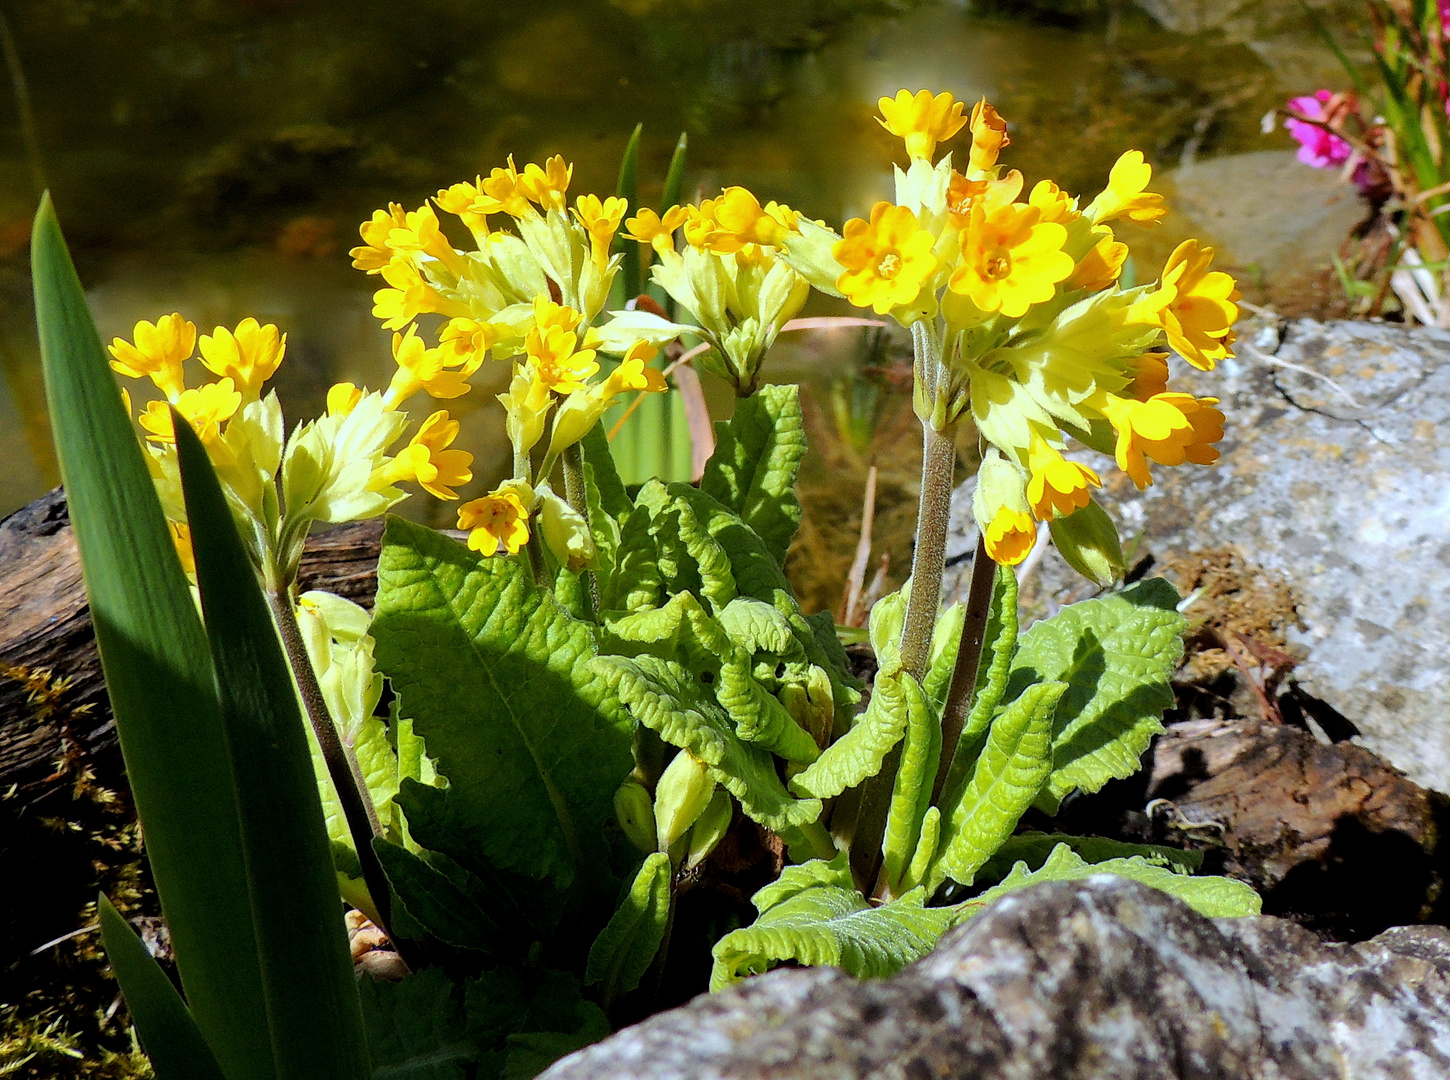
{"type": "Point", "coordinates": [53, 707]}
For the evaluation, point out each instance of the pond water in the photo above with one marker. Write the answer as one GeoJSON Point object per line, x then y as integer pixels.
{"type": "Point", "coordinates": [215, 156]}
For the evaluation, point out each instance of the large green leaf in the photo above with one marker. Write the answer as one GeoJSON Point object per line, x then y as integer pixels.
{"type": "Point", "coordinates": [496, 679]}
{"type": "Point", "coordinates": [1116, 654]}
{"type": "Point", "coordinates": [626, 947]}
{"type": "Point", "coordinates": [1034, 849]}
{"type": "Point", "coordinates": [1007, 776]}
{"type": "Point", "coordinates": [168, 1033]}
{"type": "Point", "coordinates": [417, 1031]}
{"type": "Point", "coordinates": [814, 917]}
{"type": "Point", "coordinates": [440, 906]}
{"type": "Point", "coordinates": [858, 754]}
{"type": "Point", "coordinates": [1214, 897]}
{"type": "Point", "coordinates": [307, 976]}
{"type": "Point", "coordinates": [911, 793]}
{"type": "Point", "coordinates": [158, 672]}
{"type": "Point", "coordinates": [753, 469]}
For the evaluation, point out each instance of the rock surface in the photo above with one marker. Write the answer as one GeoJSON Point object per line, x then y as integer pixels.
{"type": "Point", "coordinates": [1335, 478]}
{"type": "Point", "coordinates": [1103, 978]}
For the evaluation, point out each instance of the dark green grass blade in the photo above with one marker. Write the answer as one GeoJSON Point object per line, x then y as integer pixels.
{"type": "Point", "coordinates": [630, 271]}
{"type": "Point", "coordinates": [168, 1033]}
{"type": "Point", "coordinates": [158, 671]}
{"type": "Point", "coordinates": [675, 177]}
{"type": "Point", "coordinates": [312, 1000]}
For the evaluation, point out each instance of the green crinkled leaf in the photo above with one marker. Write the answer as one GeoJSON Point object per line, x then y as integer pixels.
{"type": "Point", "coordinates": [497, 681]}
{"type": "Point", "coordinates": [753, 469]}
{"type": "Point", "coordinates": [635, 583]}
{"type": "Point", "coordinates": [1034, 848]}
{"type": "Point", "coordinates": [1007, 776]}
{"type": "Point", "coordinates": [690, 558]}
{"type": "Point", "coordinates": [911, 794]}
{"type": "Point", "coordinates": [599, 466]}
{"type": "Point", "coordinates": [802, 876]}
{"type": "Point", "coordinates": [835, 926]}
{"type": "Point", "coordinates": [1117, 654]}
{"type": "Point", "coordinates": [436, 903]}
{"type": "Point", "coordinates": [946, 637]}
{"type": "Point", "coordinates": [627, 946]}
{"type": "Point", "coordinates": [1214, 897]}
{"type": "Point", "coordinates": [757, 626]}
{"type": "Point", "coordinates": [859, 753]}
{"type": "Point", "coordinates": [668, 698]}
{"type": "Point", "coordinates": [416, 1028]}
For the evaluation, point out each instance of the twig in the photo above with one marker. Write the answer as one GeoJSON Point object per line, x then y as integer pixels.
{"type": "Point", "coordinates": [852, 608]}
{"type": "Point", "coordinates": [969, 656]}
{"type": "Point", "coordinates": [1269, 358]}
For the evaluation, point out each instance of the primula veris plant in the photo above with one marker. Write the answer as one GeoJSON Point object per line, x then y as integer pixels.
{"type": "Point", "coordinates": [604, 682]}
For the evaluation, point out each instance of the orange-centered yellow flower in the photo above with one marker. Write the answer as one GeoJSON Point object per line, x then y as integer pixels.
{"type": "Point", "coordinates": [1150, 376]}
{"type": "Point", "coordinates": [159, 352]}
{"type": "Point", "coordinates": [1010, 536]}
{"type": "Point", "coordinates": [1126, 195]}
{"type": "Point", "coordinates": [921, 119]}
{"type": "Point", "coordinates": [1100, 267]}
{"type": "Point", "coordinates": [1194, 305]}
{"type": "Point", "coordinates": [498, 520]}
{"type": "Point", "coordinates": [249, 356]}
{"type": "Point", "coordinates": [503, 193]}
{"type": "Point", "coordinates": [342, 398]}
{"type": "Point", "coordinates": [421, 368]}
{"type": "Point", "coordinates": [739, 214]}
{"type": "Point", "coordinates": [205, 409]}
{"type": "Point", "coordinates": [886, 259]}
{"type": "Point", "coordinates": [555, 360]}
{"type": "Point", "coordinates": [600, 218]}
{"type": "Point", "coordinates": [428, 461]}
{"type": "Point", "coordinates": [549, 186]}
{"type": "Point", "coordinates": [1056, 486]}
{"type": "Point", "coordinates": [460, 200]}
{"type": "Point", "coordinates": [635, 372]}
{"type": "Point", "coordinates": [989, 137]}
{"type": "Point", "coordinates": [1169, 428]}
{"type": "Point", "coordinates": [1011, 259]}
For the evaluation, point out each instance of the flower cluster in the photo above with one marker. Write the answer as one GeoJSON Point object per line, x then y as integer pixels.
{"type": "Point", "coordinates": [531, 293]}
{"type": "Point", "coordinates": [1014, 299]}
{"type": "Point", "coordinates": [338, 468]}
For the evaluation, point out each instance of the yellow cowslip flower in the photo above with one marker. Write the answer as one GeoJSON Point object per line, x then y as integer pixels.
{"type": "Point", "coordinates": [887, 259]}
{"type": "Point", "coordinates": [159, 353]}
{"type": "Point", "coordinates": [411, 295]}
{"type": "Point", "coordinates": [419, 234]}
{"type": "Point", "coordinates": [1150, 376]}
{"type": "Point", "coordinates": [249, 356]}
{"type": "Point", "coordinates": [635, 372]}
{"type": "Point", "coordinates": [466, 340]}
{"type": "Point", "coordinates": [1056, 486]}
{"type": "Point", "coordinates": [342, 398]}
{"type": "Point", "coordinates": [428, 461]}
{"type": "Point", "coordinates": [656, 230]}
{"type": "Point", "coordinates": [375, 252]}
{"type": "Point", "coordinates": [738, 214]}
{"type": "Point", "coordinates": [989, 137]}
{"type": "Point", "coordinates": [1170, 428]}
{"type": "Point", "coordinates": [1194, 306]}
{"type": "Point", "coordinates": [963, 194]}
{"type": "Point", "coordinates": [600, 218]}
{"type": "Point", "coordinates": [503, 193]}
{"type": "Point", "coordinates": [579, 412]}
{"type": "Point", "coordinates": [921, 119]}
{"type": "Point", "coordinates": [549, 186]}
{"type": "Point", "coordinates": [1010, 259]}
{"type": "Point", "coordinates": [421, 368]}
{"type": "Point", "coordinates": [461, 200]}
{"type": "Point", "coordinates": [1054, 203]}
{"type": "Point", "coordinates": [498, 520]}
{"type": "Point", "coordinates": [559, 365]}
{"type": "Point", "coordinates": [1010, 536]}
{"type": "Point", "coordinates": [548, 314]}
{"type": "Point", "coordinates": [206, 408]}
{"type": "Point", "coordinates": [1100, 267]}
{"type": "Point", "coordinates": [1126, 195]}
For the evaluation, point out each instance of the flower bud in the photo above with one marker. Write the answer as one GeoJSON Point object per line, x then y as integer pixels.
{"type": "Point", "coordinates": [684, 790]}
{"type": "Point", "coordinates": [635, 811]}
{"type": "Point", "coordinates": [565, 531]}
{"type": "Point", "coordinates": [1000, 507]}
{"type": "Point", "coordinates": [1088, 540]}
{"type": "Point", "coordinates": [710, 829]}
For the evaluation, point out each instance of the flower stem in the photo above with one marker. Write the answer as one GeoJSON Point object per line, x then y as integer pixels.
{"type": "Point", "coordinates": [939, 455]}
{"type": "Point", "coordinates": [572, 462]}
{"type": "Point", "coordinates": [342, 767]}
{"type": "Point", "coordinates": [969, 655]}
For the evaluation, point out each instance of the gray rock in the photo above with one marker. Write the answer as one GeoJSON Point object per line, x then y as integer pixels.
{"type": "Point", "coordinates": [1335, 477]}
{"type": "Point", "coordinates": [1103, 978]}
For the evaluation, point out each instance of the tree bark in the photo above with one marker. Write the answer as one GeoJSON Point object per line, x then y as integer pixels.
{"type": "Point", "coordinates": [53, 706]}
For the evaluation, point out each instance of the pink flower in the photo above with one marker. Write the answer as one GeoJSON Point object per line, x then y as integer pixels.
{"type": "Point", "coordinates": [1317, 147]}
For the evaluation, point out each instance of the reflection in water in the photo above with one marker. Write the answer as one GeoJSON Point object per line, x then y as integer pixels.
{"type": "Point", "coordinates": [214, 157]}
